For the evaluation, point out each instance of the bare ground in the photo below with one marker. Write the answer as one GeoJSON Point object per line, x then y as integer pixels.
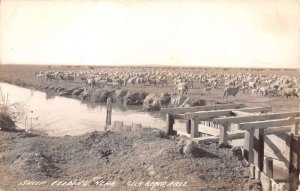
{"type": "Point", "coordinates": [143, 156]}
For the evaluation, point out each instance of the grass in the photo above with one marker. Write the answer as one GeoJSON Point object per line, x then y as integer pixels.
{"type": "Point", "coordinates": [18, 111]}
{"type": "Point", "coordinates": [13, 110]}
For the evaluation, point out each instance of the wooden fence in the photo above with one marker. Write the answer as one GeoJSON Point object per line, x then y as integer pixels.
{"type": "Point", "coordinates": [254, 125]}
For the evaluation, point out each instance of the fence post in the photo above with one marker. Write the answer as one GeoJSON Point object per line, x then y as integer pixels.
{"type": "Point", "coordinates": [169, 127]}
{"type": "Point", "coordinates": [294, 162]}
{"type": "Point", "coordinates": [188, 126]}
{"type": "Point", "coordinates": [223, 133]}
{"type": "Point", "coordinates": [295, 128]}
{"type": "Point", "coordinates": [268, 167]}
{"type": "Point", "coordinates": [194, 128]}
{"type": "Point", "coordinates": [267, 175]}
{"type": "Point", "coordinates": [248, 145]}
{"type": "Point", "coordinates": [108, 112]}
{"type": "Point", "coordinates": [258, 151]}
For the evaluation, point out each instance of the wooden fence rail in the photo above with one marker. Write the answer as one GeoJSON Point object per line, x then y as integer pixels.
{"type": "Point", "coordinates": [214, 124]}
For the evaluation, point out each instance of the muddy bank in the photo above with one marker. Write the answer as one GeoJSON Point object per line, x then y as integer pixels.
{"type": "Point", "coordinates": [6, 123]}
{"type": "Point", "coordinates": [117, 158]}
{"type": "Point", "coordinates": [88, 94]}
{"type": "Point", "coordinates": [82, 92]}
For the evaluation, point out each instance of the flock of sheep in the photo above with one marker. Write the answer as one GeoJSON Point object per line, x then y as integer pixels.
{"type": "Point", "coordinates": [247, 83]}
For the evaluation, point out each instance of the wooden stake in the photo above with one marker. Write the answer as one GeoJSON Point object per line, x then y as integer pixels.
{"type": "Point", "coordinates": [108, 112]}
{"type": "Point", "coordinates": [169, 127]}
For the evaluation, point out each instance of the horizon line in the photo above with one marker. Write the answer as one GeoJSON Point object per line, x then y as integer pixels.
{"type": "Point", "coordinates": [156, 66]}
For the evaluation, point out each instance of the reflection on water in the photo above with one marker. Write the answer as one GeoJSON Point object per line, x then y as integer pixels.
{"type": "Point", "coordinates": [61, 116]}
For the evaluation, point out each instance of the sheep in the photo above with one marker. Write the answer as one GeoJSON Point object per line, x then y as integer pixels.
{"type": "Point", "coordinates": [182, 88]}
{"type": "Point", "coordinates": [90, 82]}
{"type": "Point", "coordinates": [252, 85]}
{"type": "Point", "coordinates": [262, 91]}
{"type": "Point", "coordinates": [231, 91]}
{"type": "Point", "coordinates": [271, 92]}
{"type": "Point", "coordinates": [289, 92]}
{"type": "Point", "coordinates": [254, 92]}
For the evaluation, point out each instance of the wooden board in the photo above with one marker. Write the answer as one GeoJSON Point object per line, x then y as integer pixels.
{"type": "Point", "coordinates": [269, 123]}
{"type": "Point", "coordinates": [260, 117]}
{"type": "Point", "coordinates": [200, 108]}
{"type": "Point", "coordinates": [205, 115]}
{"type": "Point", "coordinates": [240, 135]}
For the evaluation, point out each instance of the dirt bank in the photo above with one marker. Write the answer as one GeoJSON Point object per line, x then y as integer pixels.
{"type": "Point", "coordinates": [6, 123]}
{"type": "Point", "coordinates": [96, 95]}
{"type": "Point", "coordinates": [115, 159]}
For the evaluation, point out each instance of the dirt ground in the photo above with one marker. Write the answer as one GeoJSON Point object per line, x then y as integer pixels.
{"type": "Point", "coordinates": [110, 160]}
{"type": "Point", "coordinates": [113, 160]}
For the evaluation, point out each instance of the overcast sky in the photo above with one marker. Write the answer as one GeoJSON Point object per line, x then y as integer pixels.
{"type": "Point", "coordinates": [247, 33]}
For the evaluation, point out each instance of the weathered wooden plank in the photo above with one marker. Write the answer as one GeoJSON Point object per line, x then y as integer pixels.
{"type": "Point", "coordinates": [205, 115]}
{"type": "Point", "coordinates": [201, 108]}
{"type": "Point", "coordinates": [260, 117]}
{"type": "Point", "coordinates": [258, 149]}
{"type": "Point", "coordinates": [178, 116]}
{"type": "Point", "coordinates": [269, 123]}
{"type": "Point", "coordinates": [274, 147]}
{"type": "Point", "coordinates": [294, 165]}
{"type": "Point", "coordinates": [248, 145]}
{"type": "Point", "coordinates": [208, 130]}
{"type": "Point", "coordinates": [240, 113]}
{"type": "Point", "coordinates": [240, 135]}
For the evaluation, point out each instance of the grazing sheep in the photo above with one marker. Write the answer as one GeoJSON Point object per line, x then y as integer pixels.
{"type": "Point", "coordinates": [151, 82]}
{"type": "Point", "coordinates": [262, 91]}
{"type": "Point", "coordinates": [271, 92]}
{"type": "Point", "coordinates": [115, 85]}
{"type": "Point", "coordinates": [231, 91]}
{"type": "Point", "coordinates": [252, 85]}
{"type": "Point", "coordinates": [91, 82]}
{"type": "Point", "coordinates": [254, 92]}
{"type": "Point", "coordinates": [289, 92]}
{"type": "Point", "coordinates": [230, 83]}
{"type": "Point", "coordinates": [161, 82]}
{"type": "Point", "coordinates": [182, 88]}
{"type": "Point", "coordinates": [50, 77]}
{"type": "Point", "coordinates": [131, 81]}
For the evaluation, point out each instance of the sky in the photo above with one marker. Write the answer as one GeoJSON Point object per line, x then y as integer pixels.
{"type": "Point", "coordinates": [222, 33]}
